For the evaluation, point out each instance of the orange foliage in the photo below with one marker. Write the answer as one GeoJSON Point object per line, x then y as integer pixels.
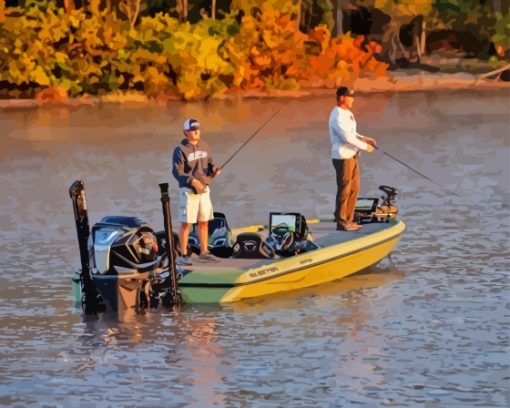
{"type": "Point", "coordinates": [344, 59]}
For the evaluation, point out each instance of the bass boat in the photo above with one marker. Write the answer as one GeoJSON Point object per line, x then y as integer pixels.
{"type": "Point", "coordinates": [126, 264]}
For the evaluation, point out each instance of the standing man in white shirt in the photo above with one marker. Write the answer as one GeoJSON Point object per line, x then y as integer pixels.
{"type": "Point", "coordinates": [345, 146]}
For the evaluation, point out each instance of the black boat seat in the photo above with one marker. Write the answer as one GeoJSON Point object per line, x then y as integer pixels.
{"type": "Point", "coordinates": [251, 245]}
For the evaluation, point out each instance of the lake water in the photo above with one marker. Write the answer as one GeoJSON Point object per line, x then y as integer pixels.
{"type": "Point", "coordinates": [428, 326]}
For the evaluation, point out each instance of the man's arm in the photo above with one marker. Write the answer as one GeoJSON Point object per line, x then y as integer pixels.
{"type": "Point", "coordinates": [367, 139]}
{"type": "Point", "coordinates": [213, 169]}
{"type": "Point", "coordinates": [179, 168]}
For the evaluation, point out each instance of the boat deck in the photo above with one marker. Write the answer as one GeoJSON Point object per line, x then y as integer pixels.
{"type": "Point", "coordinates": [324, 235]}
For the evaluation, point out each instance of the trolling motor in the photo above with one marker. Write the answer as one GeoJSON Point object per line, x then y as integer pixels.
{"type": "Point", "coordinates": [368, 210]}
{"type": "Point", "coordinates": [391, 193]}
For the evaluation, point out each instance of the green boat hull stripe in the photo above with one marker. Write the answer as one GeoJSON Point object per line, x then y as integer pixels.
{"type": "Point", "coordinates": [210, 285]}
{"type": "Point", "coordinates": [232, 285]}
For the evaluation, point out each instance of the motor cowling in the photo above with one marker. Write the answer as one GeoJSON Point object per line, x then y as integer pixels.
{"type": "Point", "coordinates": [122, 245]}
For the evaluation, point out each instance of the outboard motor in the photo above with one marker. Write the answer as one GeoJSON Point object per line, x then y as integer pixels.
{"type": "Point", "coordinates": [125, 264]}
{"type": "Point", "coordinates": [122, 245]}
{"type": "Point", "coordinates": [123, 257]}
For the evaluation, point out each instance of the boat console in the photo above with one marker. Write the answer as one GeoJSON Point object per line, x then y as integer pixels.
{"type": "Point", "coordinates": [288, 235]}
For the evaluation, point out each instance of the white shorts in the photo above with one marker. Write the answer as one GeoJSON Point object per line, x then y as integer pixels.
{"type": "Point", "coordinates": [194, 207]}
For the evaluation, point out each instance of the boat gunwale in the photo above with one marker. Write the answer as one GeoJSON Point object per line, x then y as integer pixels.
{"type": "Point", "coordinates": [290, 271]}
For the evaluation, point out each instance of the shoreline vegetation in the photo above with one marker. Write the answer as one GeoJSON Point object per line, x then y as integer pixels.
{"type": "Point", "coordinates": [88, 52]}
{"type": "Point", "coordinates": [396, 82]}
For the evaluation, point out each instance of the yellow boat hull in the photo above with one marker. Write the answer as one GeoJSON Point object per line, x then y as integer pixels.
{"type": "Point", "coordinates": [327, 264]}
{"type": "Point", "coordinates": [315, 275]}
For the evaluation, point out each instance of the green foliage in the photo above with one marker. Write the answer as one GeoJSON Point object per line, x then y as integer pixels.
{"type": "Point", "coordinates": [282, 6]}
{"type": "Point", "coordinates": [77, 52]}
{"type": "Point", "coordinates": [399, 9]}
{"type": "Point", "coordinates": [501, 37]}
{"type": "Point", "coordinates": [453, 6]}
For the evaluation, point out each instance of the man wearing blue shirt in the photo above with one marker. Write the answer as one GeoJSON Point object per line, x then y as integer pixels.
{"type": "Point", "coordinates": [193, 168]}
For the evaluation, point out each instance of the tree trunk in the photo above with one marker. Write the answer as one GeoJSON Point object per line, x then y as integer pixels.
{"type": "Point", "coordinates": [423, 37]}
{"type": "Point", "coordinates": [418, 47]}
{"type": "Point", "coordinates": [182, 9]}
{"type": "Point", "coordinates": [339, 17]}
{"type": "Point", "coordinates": [68, 6]}
{"type": "Point", "coordinates": [213, 10]}
{"type": "Point", "coordinates": [136, 11]}
{"type": "Point", "coordinates": [298, 17]}
{"type": "Point", "coordinates": [495, 72]}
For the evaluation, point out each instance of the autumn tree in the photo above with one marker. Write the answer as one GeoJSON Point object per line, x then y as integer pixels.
{"type": "Point", "coordinates": [401, 13]}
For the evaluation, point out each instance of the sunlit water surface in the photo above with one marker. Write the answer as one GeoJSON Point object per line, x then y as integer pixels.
{"type": "Point", "coordinates": [427, 327]}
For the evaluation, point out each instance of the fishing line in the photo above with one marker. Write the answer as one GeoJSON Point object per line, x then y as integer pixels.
{"type": "Point", "coordinates": [252, 136]}
{"type": "Point", "coordinates": [417, 172]}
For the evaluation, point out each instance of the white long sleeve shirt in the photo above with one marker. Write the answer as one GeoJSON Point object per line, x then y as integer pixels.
{"type": "Point", "coordinates": [342, 133]}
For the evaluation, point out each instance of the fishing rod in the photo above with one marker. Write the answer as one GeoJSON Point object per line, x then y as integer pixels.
{"type": "Point", "coordinates": [251, 137]}
{"type": "Point", "coordinates": [416, 171]}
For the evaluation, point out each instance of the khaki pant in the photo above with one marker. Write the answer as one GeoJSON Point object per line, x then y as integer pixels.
{"type": "Point", "coordinates": [194, 207]}
{"type": "Point", "coordinates": [347, 182]}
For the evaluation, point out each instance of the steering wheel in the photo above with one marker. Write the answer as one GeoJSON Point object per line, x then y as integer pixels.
{"type": "Point", "coordinates": [283, 237]}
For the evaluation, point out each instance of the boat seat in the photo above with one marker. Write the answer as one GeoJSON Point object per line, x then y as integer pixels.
{"type": "Point", "coordinates": [252, 245]}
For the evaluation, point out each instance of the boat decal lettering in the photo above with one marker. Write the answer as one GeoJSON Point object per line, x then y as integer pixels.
{"type": "Point", "coordinates": [305, 261]}
{"type": "Point", "coordinates": [262, 272]}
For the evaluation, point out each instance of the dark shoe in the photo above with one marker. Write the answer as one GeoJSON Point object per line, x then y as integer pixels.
{"type": "Point", "coordinates": [348, 227]}
{"type": "Point", "coordinates": [183, 261]}
{"type": "Point", "coordinates": [207, 257]}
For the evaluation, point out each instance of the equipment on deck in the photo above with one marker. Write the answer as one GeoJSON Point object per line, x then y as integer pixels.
{"type": "Point", "coordinates": [250, 245]}
{"type": "Point", "coordinates": [367, 209]}
{"type": "Point", "coordinates": [289, 234]}
{"type": "Point", "coordinates": [220, 237]}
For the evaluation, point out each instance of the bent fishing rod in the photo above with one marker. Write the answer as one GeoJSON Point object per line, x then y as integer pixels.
{"type": "Point", "coordinates": [416, 171]}
{"type": "Point", "coordinates": [251, 137]}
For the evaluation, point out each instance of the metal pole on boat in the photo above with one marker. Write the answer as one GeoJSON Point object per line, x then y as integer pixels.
{"type": "Point", "coordinates": [81, 218]}
{"type": "Point", "coordinates": [251, 137]}
{"type": "Point", "coordinates": [416, 171]}
{"type": "Point", "coordinates": [165, 200]}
